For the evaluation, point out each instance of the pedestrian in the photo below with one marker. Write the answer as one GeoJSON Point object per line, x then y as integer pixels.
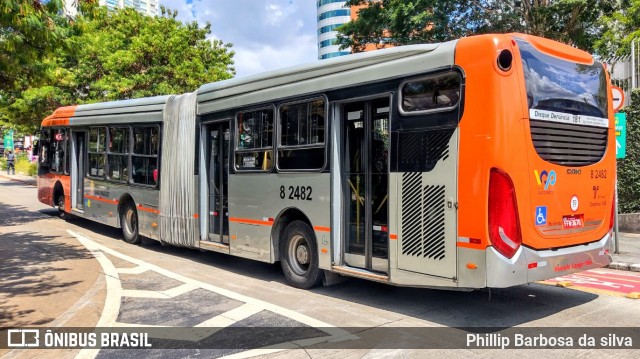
{"type": "Point", "coordinates": [11, 159]}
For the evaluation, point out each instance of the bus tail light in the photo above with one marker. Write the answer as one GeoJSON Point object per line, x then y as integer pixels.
{"type": "Point", "coordinates": [504, 226]}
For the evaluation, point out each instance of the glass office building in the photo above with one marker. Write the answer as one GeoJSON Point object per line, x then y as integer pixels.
{"type": "Point", "coordinates": [331, 14]}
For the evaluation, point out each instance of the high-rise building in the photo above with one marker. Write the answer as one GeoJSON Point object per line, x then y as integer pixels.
{"type": "Point", "coordinates": [331, 14]}
{"type": "Point", "coordinates": [148, 7]}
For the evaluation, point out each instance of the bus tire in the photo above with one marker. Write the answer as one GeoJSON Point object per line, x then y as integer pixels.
{"type": "Point", "coordinates": [60, 206]}
{"type": "Point", "coordinates": [299, 252]}
{"type": "Point", "coordinates": [129, 224]}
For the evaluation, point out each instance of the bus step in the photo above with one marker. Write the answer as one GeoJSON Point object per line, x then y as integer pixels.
{"type": "Point", "coordinates": [360, 273]}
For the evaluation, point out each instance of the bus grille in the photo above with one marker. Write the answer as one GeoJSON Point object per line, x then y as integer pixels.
{"type": "Point", "coordinates": [423, 222]}
{"type": "Point", "coordinates": [568, 144]}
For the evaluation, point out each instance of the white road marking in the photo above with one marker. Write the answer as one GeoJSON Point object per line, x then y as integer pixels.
{"type": "Point", "coordinates": [169, 293]}
{"type": "Point", "coordinates": [134, 270]}
{"type": "Point", "coordinates": [252, 305]}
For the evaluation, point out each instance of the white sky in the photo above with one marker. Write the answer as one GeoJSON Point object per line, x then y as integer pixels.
{"type": "Point", "coordinates": [266, 34]}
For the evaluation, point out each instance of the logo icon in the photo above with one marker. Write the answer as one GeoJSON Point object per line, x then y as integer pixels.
{"type": "Point", "coordinates": [546, 179]}
{"type": "Point", "coordinates": [21, 338]}
{"type": "Point", "coordinates": [541, 215]}
{"type": "Point", "coordinates": [574, 203]}
{"type": "Point", "coordinates": [595, 191]}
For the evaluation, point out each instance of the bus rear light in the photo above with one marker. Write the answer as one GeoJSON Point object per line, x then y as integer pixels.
{"type": "Point", "coordinates": [504, 225]}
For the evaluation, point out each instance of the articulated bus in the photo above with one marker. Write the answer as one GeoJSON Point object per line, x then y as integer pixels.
{"type": "Point", "coordinates": [487, 161]}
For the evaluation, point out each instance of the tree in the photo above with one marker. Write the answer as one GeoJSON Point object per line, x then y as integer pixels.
{"type": "Point", "coordinates": [629, 167]}
{"type": "Point", "coordinates": [620, 28]}
{"type": "Point", "coordinates": [399, 22]}
{"type": "Point", "coordinates": [121, 55]}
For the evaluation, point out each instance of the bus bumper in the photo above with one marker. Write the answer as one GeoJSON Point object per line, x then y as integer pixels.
{"type": "Point", "coordinates": [529, 265]}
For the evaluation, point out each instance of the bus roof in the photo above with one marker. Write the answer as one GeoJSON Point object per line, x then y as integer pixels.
{"type": "Point", "coordinates": [147, 109]}
{"type": "Point", "coordinates": [320, 75]}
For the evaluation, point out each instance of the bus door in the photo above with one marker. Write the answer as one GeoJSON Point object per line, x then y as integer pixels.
{"type": "Point", "coordinates": [366, 183]}
{"type": "Point", "coordinates": [217, 160]}
{"type": "Point", "coordinates": [78, 168]}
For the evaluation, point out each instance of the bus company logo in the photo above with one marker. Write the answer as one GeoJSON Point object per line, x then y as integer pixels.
{"type": "Point", "coordinates": [574, 171]}
{"type": "Point", "coordinates": [545, 179]}
{"type": "Point", "coordinates": [573, 221]}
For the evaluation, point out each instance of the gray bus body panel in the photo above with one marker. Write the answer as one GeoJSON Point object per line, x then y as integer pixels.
{"type": "Point", "coordinates": [102, 198]}
{"type": "Point", "coordinates": [256, 196]}
{"type": "Point", "coordinates": [330, 74]}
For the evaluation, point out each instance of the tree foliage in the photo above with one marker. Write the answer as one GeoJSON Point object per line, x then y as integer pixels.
{"type": "Point", "coordinates": [629, 167]}
{"type": "Point", "coordinates": [114, 55]}
{"type": "Point", "coordinates": [399, 22]}
{"type": "Point", "coordinates": [619, 29]}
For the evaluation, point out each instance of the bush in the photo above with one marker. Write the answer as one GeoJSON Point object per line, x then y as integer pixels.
{"type": "Point", "coordinates": [629, 167]}
{"type": "Point", "coordinates": [23, 165]}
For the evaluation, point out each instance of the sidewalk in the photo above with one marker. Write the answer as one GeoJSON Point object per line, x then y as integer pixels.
{"type": "Point", "coordinates": [19, 178]}
{"type": "Point", "coordinates": [627, 259]}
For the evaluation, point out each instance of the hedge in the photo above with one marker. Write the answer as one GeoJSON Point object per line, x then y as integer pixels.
{"type": "Point", "coordinates": [629, 167]}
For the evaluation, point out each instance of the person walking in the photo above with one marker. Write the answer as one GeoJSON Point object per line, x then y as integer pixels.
{"type": "Point", "coordinates": [11, 159]}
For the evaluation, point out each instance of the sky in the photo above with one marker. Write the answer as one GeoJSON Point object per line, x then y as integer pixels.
{"type": "Point", "coordinates": [266, 34]}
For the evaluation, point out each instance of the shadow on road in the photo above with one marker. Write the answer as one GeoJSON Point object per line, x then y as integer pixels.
{"type": "Point", "coordinates": [28, 262]}
{"type": "Point", "coordinates": [481, 308]}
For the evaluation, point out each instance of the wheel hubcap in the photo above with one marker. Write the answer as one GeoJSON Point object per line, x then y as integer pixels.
{"type": "Point", "coordinates": [302, 254]}
{"type": "Point", "coordinates": [130, 222]}
{"type": "Point", "coordinates": [299, 254]}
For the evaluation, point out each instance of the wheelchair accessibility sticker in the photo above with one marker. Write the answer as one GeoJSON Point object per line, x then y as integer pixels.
{"type": "Point", "coordinates": [541, 215]}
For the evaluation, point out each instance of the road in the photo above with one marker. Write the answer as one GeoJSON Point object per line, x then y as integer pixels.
{"type": "Point", "coordinates": [79, 273]}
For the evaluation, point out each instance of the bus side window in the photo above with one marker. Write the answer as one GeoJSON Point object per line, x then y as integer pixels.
{"type": "Point", "coordinates": [301, 145]}
{"type": "Point", "coordinates": [441, 91]}
{"type": "Point", "coordinates": [254, 140]}
{"type": "Point", "coordinates": [144, 159]}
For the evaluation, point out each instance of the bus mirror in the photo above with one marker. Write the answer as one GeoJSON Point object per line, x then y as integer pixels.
{"type": "Point", "coordinates": [35, 150]}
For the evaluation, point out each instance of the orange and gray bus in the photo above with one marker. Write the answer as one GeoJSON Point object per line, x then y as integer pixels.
{"type": "Point", "coordinates": [487, 161]}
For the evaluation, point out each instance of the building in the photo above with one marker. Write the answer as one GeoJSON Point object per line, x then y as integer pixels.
{"type": "Point", "coordinates": [148, 7]}
{"type": "Point", "coordinates": [331, 15]}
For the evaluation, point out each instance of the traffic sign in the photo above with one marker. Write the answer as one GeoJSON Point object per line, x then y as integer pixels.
{"type": "Point", "coordinates": [621, 134]}
{"type": "Point", "coordinates": [618, 97]}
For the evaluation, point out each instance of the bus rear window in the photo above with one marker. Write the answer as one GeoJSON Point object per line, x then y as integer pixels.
{"type": "Point", "coordinates": [557, 86]}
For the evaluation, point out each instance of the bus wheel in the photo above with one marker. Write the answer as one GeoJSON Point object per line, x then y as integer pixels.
{"type": "Point", "coordinates": [60, 205]}
{"type": "Point", "coordinates": [299, 260]}
{"type": "Point", "coordinates": [129, 224]}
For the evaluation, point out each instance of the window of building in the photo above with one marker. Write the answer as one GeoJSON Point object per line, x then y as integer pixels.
{"type": "Point", "coordinates": [325, 2]}
{"type": "Point", "coordinates": [333, 13]}
{"type": "Point", "coordinates": [302, 135]}
{"type": "Point", "coordinates": [254, 140]}
{"type": "Point", "coordinates": [328, 28]}
{"type": "Point", "coordinates": [97, 150]}
{"type": "Point", "coordinates": [118, 154]}
{"type": "Point", "coordinates": [144, 159]}
{"type": "Point", "coordinates": [433, 93]}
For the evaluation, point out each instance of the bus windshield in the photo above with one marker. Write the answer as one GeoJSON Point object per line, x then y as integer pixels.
{"type": "Point", "coordinates": [561, 86]}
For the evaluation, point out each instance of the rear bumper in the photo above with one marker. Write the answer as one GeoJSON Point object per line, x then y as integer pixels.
{"type": "Point", "coordinates": [529, 265]}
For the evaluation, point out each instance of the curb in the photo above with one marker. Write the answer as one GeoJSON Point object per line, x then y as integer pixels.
{"type": "Point", "coordinates": [624, 266]}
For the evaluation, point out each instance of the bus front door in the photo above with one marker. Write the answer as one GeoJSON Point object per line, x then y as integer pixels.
{"type": "Point", "coordinates": [218, 174]}
{"type": "Point", "coordinates": [366, 183]}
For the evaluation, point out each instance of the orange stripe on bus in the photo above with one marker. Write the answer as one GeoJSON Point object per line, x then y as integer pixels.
{"type": "Point", "coordinates": [322, 229]}
{"type": "Point", "coordinates": [393, 237]}
{"type": "Point", "coordinates": [250, 221]}
{"type": "Point", "coordinates": [147, 209]}
{"type": "Point", "coordinates": [100, 199]}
